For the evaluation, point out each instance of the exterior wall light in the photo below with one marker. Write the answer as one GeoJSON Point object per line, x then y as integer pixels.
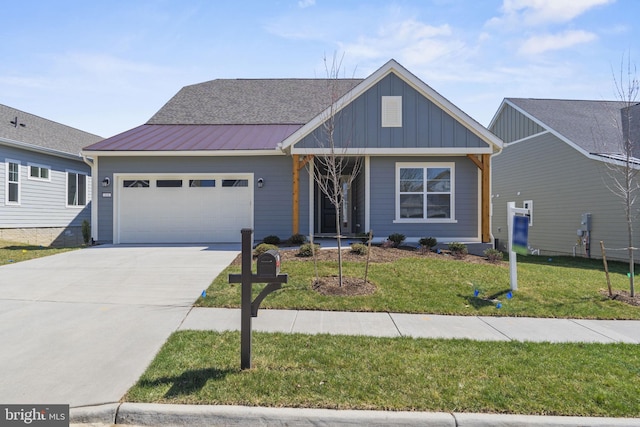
{"type": "Point", "coordinates": [260, 182]}
{"type": "Point", "coordinates": [106, 181]}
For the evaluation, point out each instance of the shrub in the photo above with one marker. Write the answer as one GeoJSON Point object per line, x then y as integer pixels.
{"type": "Point", "coordinates": [428, 242]}
{"type": "Point", "coordinates": [364, 237]}
{"type": "Point", "coordinates": [86, 231]}
{"type": "Point", "coordinates": [458, 249]}
{"type": "Point", "coordinates": [359, 248]}
{"type": "Point", "coordinates": [306, 250]}
{"type": "Point", "coordinates": [271, 240]}
{"type": "Point", "coordinates": [297, 239]}
{"type": "Point", "coordinates": [493, 255]}
{"type": "Point", "coordinates": [262, 248]}
{"type": "Point", "coordinates": [396, 239]}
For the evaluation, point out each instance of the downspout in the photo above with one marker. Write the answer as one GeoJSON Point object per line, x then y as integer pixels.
{"type": "Point", "coordinates": [93, 164]}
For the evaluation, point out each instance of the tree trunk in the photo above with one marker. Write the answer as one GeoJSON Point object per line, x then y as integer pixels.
{"type": "Point", "coordinates": [339, 236]}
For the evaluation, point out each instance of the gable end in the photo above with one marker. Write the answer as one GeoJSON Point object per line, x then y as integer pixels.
{"type": "Point", "coordinates": [511, 125]}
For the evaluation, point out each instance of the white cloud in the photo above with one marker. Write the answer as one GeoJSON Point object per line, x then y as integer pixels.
{"type": "Point", "coordinates": [546, 42]}
{"type": "Point", "coordinates": [409, 41]}
{"type": "Point", "coordinates": [541, 12]}
{"type": "Point", "coordinates": [306, 3]}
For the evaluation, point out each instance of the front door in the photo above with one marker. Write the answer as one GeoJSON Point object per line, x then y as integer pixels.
{"type": "Point", "coordinates": [328, 210]}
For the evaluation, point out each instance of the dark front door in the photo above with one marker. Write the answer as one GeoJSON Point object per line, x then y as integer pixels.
{"type": "Point", "coordinates": [327, 215]}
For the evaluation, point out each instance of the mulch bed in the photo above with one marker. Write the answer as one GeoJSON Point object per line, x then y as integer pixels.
{"type": "Point", "coordinates": [623, 296]}
{"type": "Point", "coordinates": [354, 286]}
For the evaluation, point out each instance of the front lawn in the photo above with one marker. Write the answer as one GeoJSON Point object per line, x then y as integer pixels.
{"type": "Point", "coordinates": [345, 372]}
{"type": "Point", "coordinates": [547, 287]}
{"type": "Point", "coordinates": [11, 252]}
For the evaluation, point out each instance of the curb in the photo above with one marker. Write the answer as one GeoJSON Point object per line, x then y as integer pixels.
{"type": "Point", "coordinates": [152, 414]}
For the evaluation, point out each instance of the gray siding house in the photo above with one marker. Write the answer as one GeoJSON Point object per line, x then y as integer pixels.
{"type": "Point", "coordinates": [559, 158]}
{"type": "Point", "coordinates": [46, 185]}
{"type": "Point", "coordinates": [227, 154]}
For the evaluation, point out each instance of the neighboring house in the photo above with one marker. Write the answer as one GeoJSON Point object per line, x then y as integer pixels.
{"type": "Point", "coordinates": [557, 159]}
{"type": "Point", "coordinates": [46, 188]}
{"type": "Point", "coordinates": [228, 154]}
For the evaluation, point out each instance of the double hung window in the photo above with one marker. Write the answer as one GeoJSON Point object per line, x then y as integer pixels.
{"type": "Point", "coordinates": [425, 192]}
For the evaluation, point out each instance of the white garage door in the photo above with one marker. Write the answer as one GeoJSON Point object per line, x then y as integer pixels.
{"type": "Point", "coordinates": [183, 209]}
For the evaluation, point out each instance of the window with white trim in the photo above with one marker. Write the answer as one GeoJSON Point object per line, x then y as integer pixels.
{"type": "Point", "coordinates": [39, 172]}
{"type": "Point", "coordinates": [13, 182]}
{"type": "Point", "coordinates": [425, 192]}
{"type": "Point", "coordinates": [76, 189]}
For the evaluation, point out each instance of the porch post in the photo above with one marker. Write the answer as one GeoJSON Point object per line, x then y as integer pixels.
{"type": "Point", "coordinates": [484, 164]}
{"type": "Point", "coordinates": [486, 198]}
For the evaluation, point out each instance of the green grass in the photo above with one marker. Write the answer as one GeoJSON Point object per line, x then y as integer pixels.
{"type": "Point", "coordinates": [11, 252]}
{"type": "Point", "coordinates": [341, 372]}
{"type": "Point", "coordinates": [563, 287]}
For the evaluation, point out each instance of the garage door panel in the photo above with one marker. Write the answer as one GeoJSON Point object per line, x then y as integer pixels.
{"type": "Point", "coordinates": [187, 214]}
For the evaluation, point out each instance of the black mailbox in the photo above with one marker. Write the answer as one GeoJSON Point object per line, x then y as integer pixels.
{"type": "Point", "coordinates": [268, 264]}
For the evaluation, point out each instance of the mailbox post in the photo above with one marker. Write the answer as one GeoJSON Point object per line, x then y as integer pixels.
{"type": "Point", "coordinates": [268, 271]}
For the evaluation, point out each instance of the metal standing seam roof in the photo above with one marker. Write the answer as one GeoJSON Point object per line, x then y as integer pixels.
{"type": "Point", "coordinates": [197, 138]}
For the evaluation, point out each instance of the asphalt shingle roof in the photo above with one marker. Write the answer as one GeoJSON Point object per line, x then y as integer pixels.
{"type": "Point", "coordinates": [251, 101]}
{"type": "Point", "coordinates": [595, 126]}
{"type": "Point", "coordinates": [34, 130]}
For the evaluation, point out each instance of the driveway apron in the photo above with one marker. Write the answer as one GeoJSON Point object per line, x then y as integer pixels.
{"type": "Point", "coordinates": [80, 327]}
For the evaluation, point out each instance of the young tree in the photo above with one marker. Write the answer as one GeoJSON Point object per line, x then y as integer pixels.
{"type": "Point", "coordinates": [334, 171]}
{"type": "Point", "coordinates": [623, 173]}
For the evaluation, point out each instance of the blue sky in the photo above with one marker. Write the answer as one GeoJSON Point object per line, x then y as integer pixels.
{"type": "Point", "coordinates": [108, 66]}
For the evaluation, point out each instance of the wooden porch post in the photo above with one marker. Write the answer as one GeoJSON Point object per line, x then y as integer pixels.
{"type": "Point", "coordinates": [484, 164]}
{"type": "Point", "coordinates": [297, 166]}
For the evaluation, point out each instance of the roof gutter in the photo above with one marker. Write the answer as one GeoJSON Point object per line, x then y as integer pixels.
{"type": "Point", "coordinates": [39, 149]}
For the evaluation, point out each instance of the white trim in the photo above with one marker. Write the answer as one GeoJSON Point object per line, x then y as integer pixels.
{"type": "Point", "coordinates": [439, 151]}
{"type": "Point", "coordinates": [6, 182]}
{"type": "Point", "coordinates": [367, 194]}
{"type": "Point", "coordinates": [394, 67]}
{"type": "Point", "coordinates": [199, 153]}
{"type": "Point", "coordinates": [424, 166]}
{"type": "Point", "coordinates": [525, 139]}
{"type": "Point", "coordinates": [39, 166]}
{"type": "Point", "coordinates": [95, 198]}
{"type": "Point", "coordinates": [479, 208]}
{"type": "Point", "coordinates": [66, 189]}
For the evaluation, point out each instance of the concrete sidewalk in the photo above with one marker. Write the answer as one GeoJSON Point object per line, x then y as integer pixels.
{"type": "Point", "coordinates": [420, 325]}
{"type": "Point", "coordinates": [379, 325]}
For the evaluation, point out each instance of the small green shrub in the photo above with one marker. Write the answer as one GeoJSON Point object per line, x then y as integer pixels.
{"type": "Point", "coordinates": [271, 240]}
{"type": "Point", "coordinates": [493, 255]}
{"type": "Point", "coordinates": [364, 237]}
{"type": "Point", "coordinates": [359, 249]}
{"type": "Point", "coordinates": [86, 231]}
{"type": "Point", "coordinates": [306, 250]}
{"type": "Point", "coordinates": [428, 242]}
{"type": "Point", "coordinates": [262, 248]}
{"type": "Point", "coordinates": [458, 249]}
{"type": "Point", "coordinates": [297, 239]}
{"type": "Point", "coordinates": [396, 239]}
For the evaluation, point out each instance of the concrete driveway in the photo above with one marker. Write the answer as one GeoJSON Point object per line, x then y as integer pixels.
{"type": "Point", "coordinates": [80, 327]}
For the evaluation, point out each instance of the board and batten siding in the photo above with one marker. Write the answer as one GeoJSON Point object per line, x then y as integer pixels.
{"type": "Point", "coordinates": [424, 124]}
{"type": "Point", "coordinates": [563, 184]}
{"type": "Point", "coordinates": [512, 125]}
{"type": "Point", "coordinates": [43, 204]}
{"type": "Point", "coordinates": [383, 200]}
{"type": "Point", "coordinates": [272, 203]}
